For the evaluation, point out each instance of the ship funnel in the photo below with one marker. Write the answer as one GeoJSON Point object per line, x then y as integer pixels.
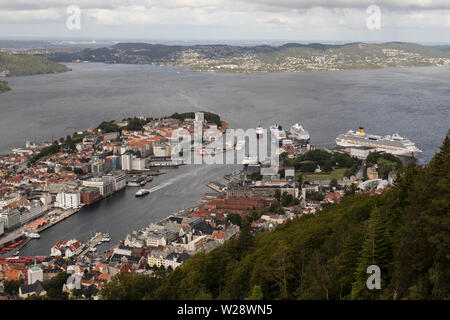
{"type": "Point", "coordinates": [361, 130]}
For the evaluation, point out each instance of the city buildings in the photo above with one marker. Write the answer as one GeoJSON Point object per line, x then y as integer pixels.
{"type": "Point", "coordinates": [68, 200]}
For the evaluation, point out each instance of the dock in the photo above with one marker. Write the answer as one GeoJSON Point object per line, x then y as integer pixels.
{"type": "Point", "coordinates": [93, 242]}
{"type": "Point", "coordinates": [216, 186]}
{"type": "Point", "coordinates": [64, 215]}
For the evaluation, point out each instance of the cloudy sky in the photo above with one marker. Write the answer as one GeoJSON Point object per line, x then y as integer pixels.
{"type": "Point", "coordinates": [426, 21]}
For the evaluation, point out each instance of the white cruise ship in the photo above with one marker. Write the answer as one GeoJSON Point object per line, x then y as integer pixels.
{"type": "Point", "coordinates": [278, 132]}
{"type": "Point", "coordinates": [299, 133]}
{"type": "Point", "coordinates": [393, 144]}
{"type": "Point", "coordinates": [259, 132]}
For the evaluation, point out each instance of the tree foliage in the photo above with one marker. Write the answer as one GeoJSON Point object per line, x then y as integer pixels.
{"type": "Point", "coordinates": [405, 231]}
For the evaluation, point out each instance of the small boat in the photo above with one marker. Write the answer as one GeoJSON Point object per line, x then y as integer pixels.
{"type": "Point", "coordinates": [259, 132]}
{"type": "Point", "coordinates": [142, 192]}
{"type": "Point", "coordinates": [34, 235]}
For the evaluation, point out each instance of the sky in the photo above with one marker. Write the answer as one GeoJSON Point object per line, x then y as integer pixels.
{"type": "Point", "coordinates": [422, 21]}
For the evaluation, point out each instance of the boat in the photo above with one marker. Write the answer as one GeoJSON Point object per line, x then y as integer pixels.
{"type": "Point", "coordinates": [299, 133]}
{"type": "Point", "coordinates": [142, 192]}
{"type": "Point", "coordinates": [259, 132]}
{"type": "Point", "coordinates": [278, 134]}
{"type": "Point", "coordinates": [394, 144]}
{"type": "Point", "coordinates": [33, 235]}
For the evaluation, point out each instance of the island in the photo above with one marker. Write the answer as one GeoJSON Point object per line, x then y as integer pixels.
{"type": "Point", "coordinates": [26, 64]}
{"type": "Point", "coordinates": [4, 86]}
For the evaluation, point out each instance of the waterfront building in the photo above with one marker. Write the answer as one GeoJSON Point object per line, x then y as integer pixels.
{"type": "Point", "coordinates": [118, 180]}
{"type": "Point", "coordinates": [89, 195]}
{"type": "Point", "coordinates": [126, 161]}
{"type": "Point", "coordinates": [68, 200]}
{"type": "Point", "coordinates": [137, 164]}
{"type": "Point", "coordinates": [131, 162]}
{"type": "Point", "coordinates": [161, 150]}
{"type": "Point", "coordinates": [66, 248]}
{"type": "Point", "coordinates": [34, 208]}
{"type": "Point", "coordinates": [104, 185]}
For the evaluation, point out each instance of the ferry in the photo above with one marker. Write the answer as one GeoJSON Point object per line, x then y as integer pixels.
{"type": "Point", "coordinates": [32, 235]}
{"type": "Point", "coordinates": [142, 192]}
{"type": "Point", "coordinates": [394, 144]}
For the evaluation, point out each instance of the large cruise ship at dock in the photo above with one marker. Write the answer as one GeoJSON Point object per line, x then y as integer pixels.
{"type": "Point", "coordinates": [394, 144]}
{"type": "Point", "coordinates": [299, 133]}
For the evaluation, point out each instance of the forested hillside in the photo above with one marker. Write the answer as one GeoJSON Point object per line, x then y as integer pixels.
{"type": "Point", "coordinates": [25, 64]}
{"type": "Point", "coordinates": [405, 231]}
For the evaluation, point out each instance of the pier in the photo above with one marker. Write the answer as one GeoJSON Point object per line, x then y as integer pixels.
{"type": "Point", "coordinates": [93, 242]}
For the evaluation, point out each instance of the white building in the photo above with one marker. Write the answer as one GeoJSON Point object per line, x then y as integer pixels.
{"type": "Point", "coordinates": [126, 161]}
{"type": "Point", "coordinates": [34, 208]}
{"type": "Point", "coordinates": [118, 180]}
{"type": "Point", "coordinates": [68, 200]}
{"type": "Point", "coordinates": [34, 274]}
{"type": "Point", "coordinates": [199, 117]}
{"type": "Point", "coordinates": [361, 153]}
{"type": "Point", "coordinates": [131, 162]}
{"type": "Point", "coordinates": [2, 228]}
{"type": "Point", "coordinates": [137, 163]}
{"type": "Point", "coordinates": [161, 150]}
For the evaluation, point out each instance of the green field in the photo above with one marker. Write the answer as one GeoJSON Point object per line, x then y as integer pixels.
{"type": "Point", "coordinates": [335, 174]}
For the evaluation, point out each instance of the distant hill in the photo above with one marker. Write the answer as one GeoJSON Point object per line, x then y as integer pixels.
{"type": "Point", "coordinates": [265, 58]}
{"type": "Point", "coordinates": [25, 64]}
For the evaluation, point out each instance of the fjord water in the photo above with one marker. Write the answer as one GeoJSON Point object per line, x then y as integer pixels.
{"type": "Point", "coordinates": [415, 102]}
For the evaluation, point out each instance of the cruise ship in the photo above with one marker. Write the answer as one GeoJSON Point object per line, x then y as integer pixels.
{"type": "Point", "coordinates": [299, 133]}
{"type": "Point", "coordinates": [278, 134]}
{"type": "Point", "coordinates": [394, 144]}
{"type": "Point", "coordinates": [259, 132]}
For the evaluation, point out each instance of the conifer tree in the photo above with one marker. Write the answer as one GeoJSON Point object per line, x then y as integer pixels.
{"type": "Point", "coordinates": [376, 250]}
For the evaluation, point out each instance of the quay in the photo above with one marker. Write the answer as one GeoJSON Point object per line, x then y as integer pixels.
{"type": "Point", "coordinates": [64, 215]}
{"type": "Point", "coordinates": [97, 239]}
{"type": "Point", "coordinates": [216, 186]}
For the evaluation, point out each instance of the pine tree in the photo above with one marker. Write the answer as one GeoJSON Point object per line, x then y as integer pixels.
{"type": "Point", "coordinates": [377, 251]}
